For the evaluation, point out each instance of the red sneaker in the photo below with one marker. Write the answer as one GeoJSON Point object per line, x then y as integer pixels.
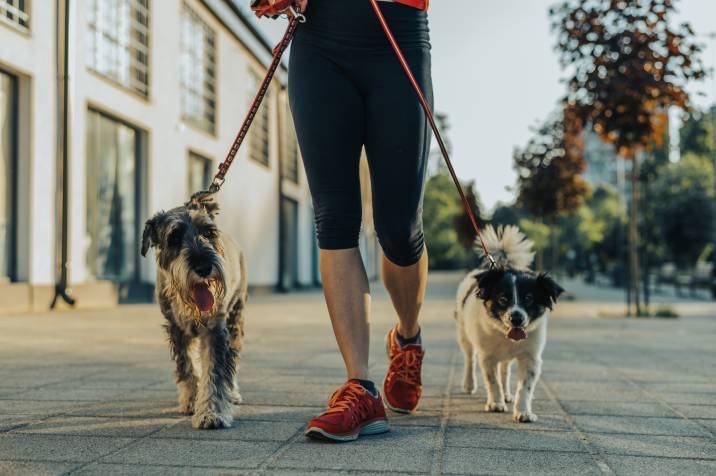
{"type": "Point", "coordinates": [402, 386]}
{"type": "Point", "coordinates": [352, 411]}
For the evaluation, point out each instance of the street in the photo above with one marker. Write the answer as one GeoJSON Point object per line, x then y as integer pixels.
{"type": "Point", "coordinates": [92, 393]}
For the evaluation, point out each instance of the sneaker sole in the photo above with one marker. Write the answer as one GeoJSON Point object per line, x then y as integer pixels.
{"type": "Point", "coordinates": [385, 399]}
{"type": "Point", "coordinates": [375, 428]}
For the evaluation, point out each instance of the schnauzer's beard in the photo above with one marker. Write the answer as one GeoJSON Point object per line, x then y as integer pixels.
{"type": "Point", "coordinates": [181, 281]}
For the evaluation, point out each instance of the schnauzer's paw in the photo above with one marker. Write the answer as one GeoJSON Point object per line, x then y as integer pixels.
{"type": "Point", "coordinates": [186, 408]}
{"type": "Point", "coordinates": [496, 407]}
{"type": "Point", "coordinates": [509, 398]}
{"type": "Point", "coordinates": [235, 398]}
{"type": "Point", "coordinates": [210, 420]}
{"type": "Point", "coordinates": [527, 417]}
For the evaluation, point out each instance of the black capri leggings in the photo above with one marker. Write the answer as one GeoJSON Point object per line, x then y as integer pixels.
{"type": "Point", "coordinates": [347, 90]}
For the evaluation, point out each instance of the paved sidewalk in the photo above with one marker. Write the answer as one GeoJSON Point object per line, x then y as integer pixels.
{"type": "Point", "coordinates": [92, 393]}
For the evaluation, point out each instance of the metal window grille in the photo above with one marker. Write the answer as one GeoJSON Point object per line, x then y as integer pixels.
{"type": "Point", "coordinates": [198, 71]}
{"type": "Point", "coordinates": [259, 132]}
{"type": "Point", "coordinates": [15, 13]}
{"type": "Point", "coordinates": [119, 42]}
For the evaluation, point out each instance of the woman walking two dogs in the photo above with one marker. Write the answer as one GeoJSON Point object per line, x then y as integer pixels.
{"type": "Point", "coordinates": [347, 92]}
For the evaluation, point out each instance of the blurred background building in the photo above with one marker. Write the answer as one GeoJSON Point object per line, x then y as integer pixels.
{"type": "Point", "coordinates": [157, 91]}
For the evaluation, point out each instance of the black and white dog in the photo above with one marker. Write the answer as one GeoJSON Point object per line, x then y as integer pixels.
{"type": "Point", "coordinates": [502, 316]}
{"type": "Point", "coordinates": [202, 291]}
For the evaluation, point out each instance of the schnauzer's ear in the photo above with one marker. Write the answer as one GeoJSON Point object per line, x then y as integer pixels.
{"type": "Point", "coordinates": [204, 200]}
{"type": "Point", "coordinates": [150, 236]}
{"type": "Point", "coordinates": [550, 289]}
{"type": "Point", "coordinates": [486, 281]}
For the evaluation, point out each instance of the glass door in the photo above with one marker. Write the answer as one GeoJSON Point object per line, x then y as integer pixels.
{"type": "Point", "coordinates": [8, 175]}
{"type": "Point", "coordinates": [112, 198]}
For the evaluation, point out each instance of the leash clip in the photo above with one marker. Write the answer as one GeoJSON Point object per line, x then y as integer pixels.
{"type": "Point", "coordinates": [493, 263]}
{"type": "Point", "coordinates": [216, 185]}
{"type": "Point", "coordinates": [297, 15]}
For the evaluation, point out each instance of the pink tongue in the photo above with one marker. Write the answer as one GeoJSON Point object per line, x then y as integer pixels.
{"type": "Point", "coordinates": [202, 296]}
{"type": "Point", "coordinates": [517, 334]}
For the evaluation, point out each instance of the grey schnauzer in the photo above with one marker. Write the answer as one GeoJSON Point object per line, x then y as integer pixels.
{"type": "Point", "coordinates": [202, 290]}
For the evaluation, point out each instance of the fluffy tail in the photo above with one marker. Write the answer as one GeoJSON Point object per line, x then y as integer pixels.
{"type": "Point", "coordinates": [509, 246]}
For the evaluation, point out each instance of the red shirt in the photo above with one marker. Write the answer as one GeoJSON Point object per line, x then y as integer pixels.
{"type": "Point", "coordinates": [421, 4]}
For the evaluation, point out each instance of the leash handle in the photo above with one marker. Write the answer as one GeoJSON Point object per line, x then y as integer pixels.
{"type": "Point", "coordinates": [436, 131]}
{"type": "Point", "coordinates": [295, 17]}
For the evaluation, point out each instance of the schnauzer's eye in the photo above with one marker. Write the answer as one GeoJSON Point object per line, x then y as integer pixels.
{"type": "Point", "coordinates": [528, 298]}
{"type": "Point", "coordinates": [209, 233]}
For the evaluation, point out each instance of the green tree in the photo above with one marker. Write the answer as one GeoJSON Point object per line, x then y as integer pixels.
{"type": "Point", "coordinates": [686, 193]}
{"type": "Point", "coordinates": [441, 208]}
{"type": "Point", "coordinates": [462, 223]}
{"type": "Point", "coordinates": [628, 64]}
{"type": "Point", "coordinates": [697, 135]}
{"type": "Point", "coordinates": [549, 174]}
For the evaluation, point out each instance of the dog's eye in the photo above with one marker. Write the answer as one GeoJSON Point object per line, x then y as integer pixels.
{"type": "Point", "coordinates": [528, 299]}
{"type": "Point", "coordinates": [209, 233]}
{"type": "Point", "coordinates": [502, 299]}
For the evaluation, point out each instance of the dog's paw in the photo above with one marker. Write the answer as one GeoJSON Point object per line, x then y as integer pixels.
{"type": "Point", "coordinates": [468, 386]}
{"type": "Point", "coordinates": [209, 420]}
{"type": "Point", "coordinates": [509, 398]}
{"type": "Point", "coordinates": [235, 398]}
{"type": "Point", "coordinates": [527, 417]}
{"type": "Point", "coordinates": [495, 407]}
{"type": "Point", "coordinates": [186, 408]}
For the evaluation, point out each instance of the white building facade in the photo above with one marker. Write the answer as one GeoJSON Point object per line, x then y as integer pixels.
{"type": "Point", "coordinates": [157, 91]}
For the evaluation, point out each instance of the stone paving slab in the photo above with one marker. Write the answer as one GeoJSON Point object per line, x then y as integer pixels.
{"type": "Point", "coordinates": [640, 465]}
{"type": "Point", "coordinates": [512, 461]}
{"type": "Point", "coordinates": [93, 393]}
{"type": "Point", "coordinates": [199, 452]}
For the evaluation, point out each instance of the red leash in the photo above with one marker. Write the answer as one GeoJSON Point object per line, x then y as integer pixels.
{"type": "Point", "coordinates": [431, 120]}
{"type": "Point", "coordinates": [295, 17]}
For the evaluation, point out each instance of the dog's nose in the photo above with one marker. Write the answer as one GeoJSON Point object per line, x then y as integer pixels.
{"type": "Point", "coordinates": [203, 269]}
{"type": "Point", "coordinates": [517, 319]}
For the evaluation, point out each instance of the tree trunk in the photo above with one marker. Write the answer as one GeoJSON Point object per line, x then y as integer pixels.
{"type": "Point", "coordinates": [540, 252]}
{"type": "Point", "coordinates": [554, 246]}
{"type": "Point", "coordinates": [634, 277]}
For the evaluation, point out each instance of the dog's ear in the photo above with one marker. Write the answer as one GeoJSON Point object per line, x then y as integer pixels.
{"type": "Point", "coordinates": [486, 281]}
{"type": "Point", "coordinates": [549, 289]}
{"type": "Point", "coordinates": [150, 236]}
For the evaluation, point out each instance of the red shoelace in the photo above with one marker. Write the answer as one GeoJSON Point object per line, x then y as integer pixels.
{"type": "Point", "coordinates": [349, 398]}
{"type": "Point", "coordinates": [405, 365]}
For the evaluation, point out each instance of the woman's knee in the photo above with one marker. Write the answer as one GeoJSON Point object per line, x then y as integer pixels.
{"type": "Point", "coordinates": [337, 224]}
{"type": "Point", "coordinates": [402, 243]}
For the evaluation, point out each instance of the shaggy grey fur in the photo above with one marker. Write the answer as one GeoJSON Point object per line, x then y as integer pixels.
{"type": "Point", "coordinates": [191, 252]}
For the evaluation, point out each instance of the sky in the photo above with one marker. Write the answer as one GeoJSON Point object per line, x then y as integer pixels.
{"type": "Point", "coordinates": [496, 75]}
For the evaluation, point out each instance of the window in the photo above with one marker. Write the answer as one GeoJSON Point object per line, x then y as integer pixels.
{"type": "Point", "coordinates": [199, 173]}
{"type": "Point", "coordinates": [198, 71]}
{"type": "Point", "coordinates": [112, 198]}
{"type": "Point", "coordinates": [8, 144]}
{"type": "Point", "coordinates": [119, 42]}
{"type": "Point", "coordinates": [259, 132]}
{"type": "Point", "coordinates": [289, 143]}
{"type": "Point", "coordinates": [14, 12]}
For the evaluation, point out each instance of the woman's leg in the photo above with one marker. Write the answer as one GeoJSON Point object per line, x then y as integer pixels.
{"type": "Point", "coordinates": [345, 286]}
{"type": "Point", "coordinates": [397, 144]}
{"type": "Point", "coordinates": [328, 116]}
{"type": "Point", "coordinates": [406, 286]}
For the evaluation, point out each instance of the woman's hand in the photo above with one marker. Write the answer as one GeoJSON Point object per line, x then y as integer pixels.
{"type": "Point", "coordinates": [302, 4]}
